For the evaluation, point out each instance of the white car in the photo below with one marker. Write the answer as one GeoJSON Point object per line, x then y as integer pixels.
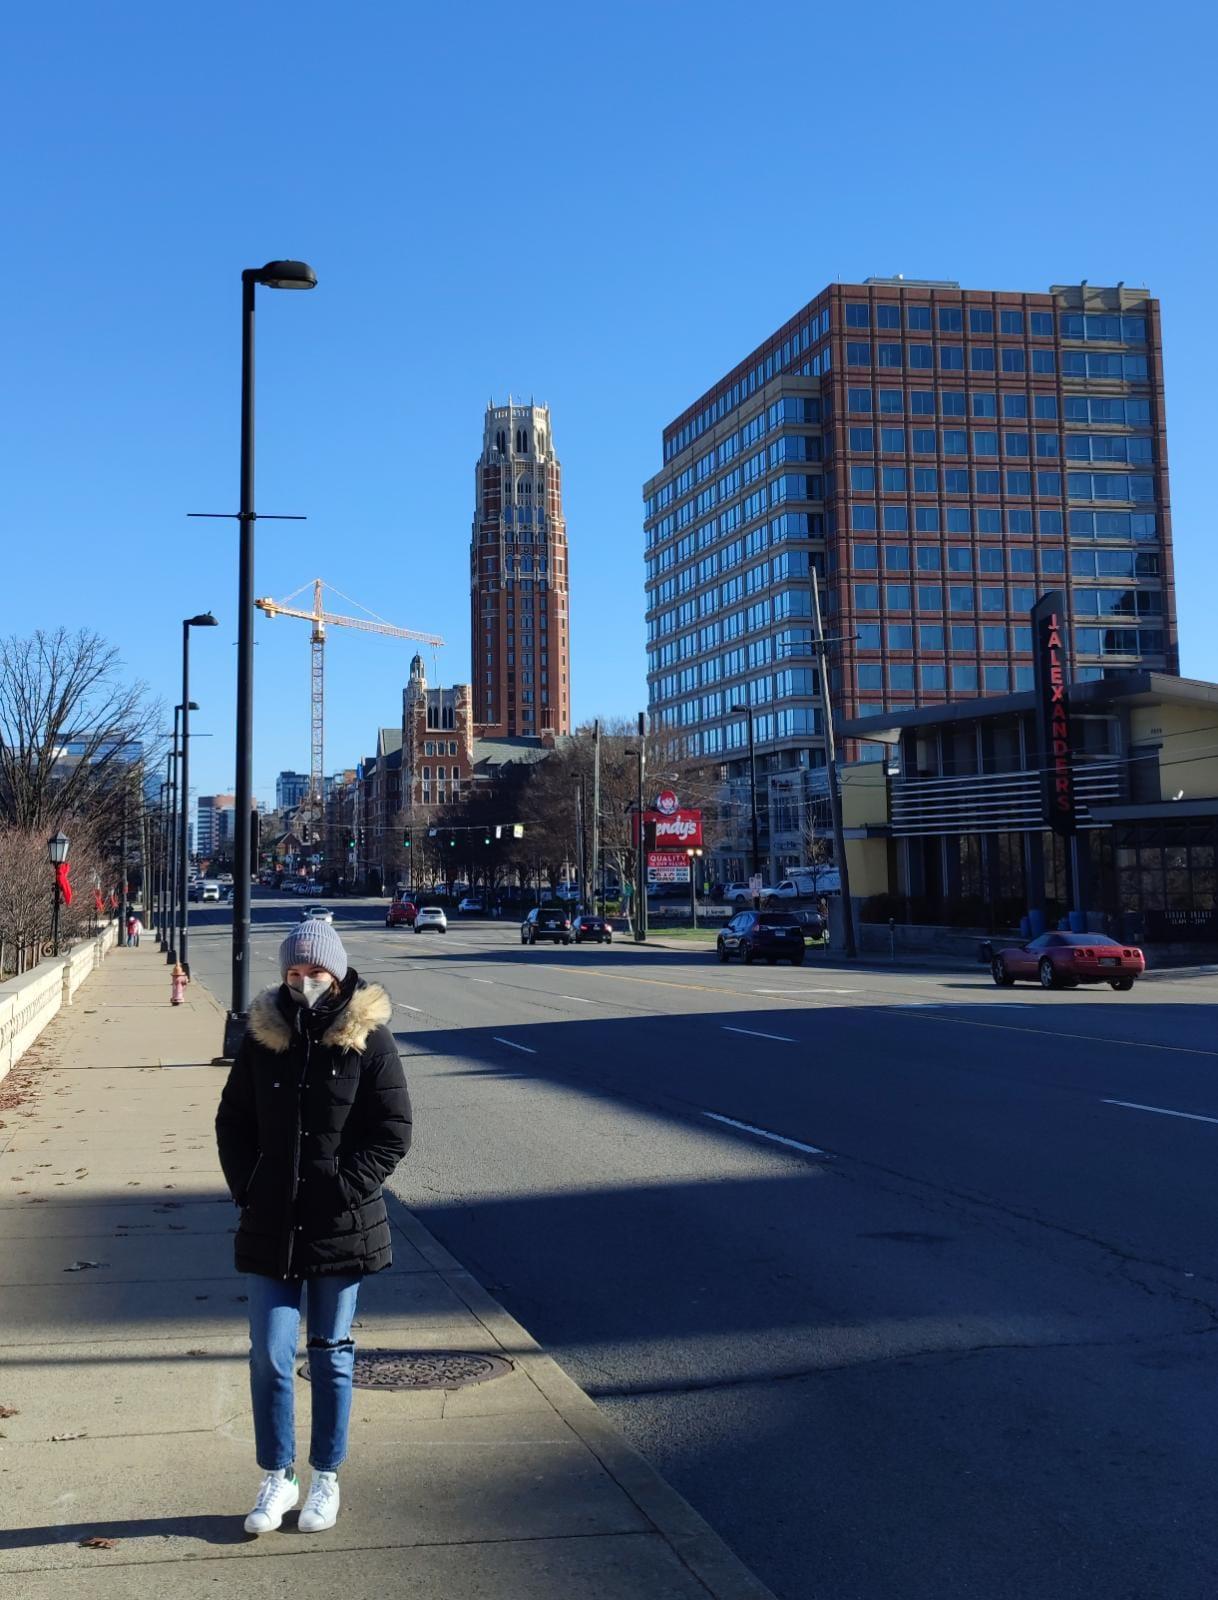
{"type": "Point", "coordinates": [317, 914]}
{"type": "Point", "coordinates": [430, 917]}
{"type": "Point", "coordinates": [737, 894]}
{"type": "Point", "coordinates": [211, 889]}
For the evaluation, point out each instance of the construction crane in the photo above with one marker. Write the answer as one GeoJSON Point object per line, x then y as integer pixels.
{"type": "Point", "coordinates": [321, 619]}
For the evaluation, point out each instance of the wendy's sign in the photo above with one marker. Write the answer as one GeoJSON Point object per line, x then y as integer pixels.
{"type": "Point", "coordinates": [1052, 713]}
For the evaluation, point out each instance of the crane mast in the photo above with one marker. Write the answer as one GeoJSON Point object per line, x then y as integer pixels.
{"type": "Point", "coordinates": [320, 618]}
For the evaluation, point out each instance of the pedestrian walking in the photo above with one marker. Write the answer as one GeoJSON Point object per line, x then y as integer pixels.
{"type": "Point", "coordinates": [177, 984]}
{"type": "Point", "coordinates": [134, 928]}
{"type": "Point", "coordinates": [314, 1118]}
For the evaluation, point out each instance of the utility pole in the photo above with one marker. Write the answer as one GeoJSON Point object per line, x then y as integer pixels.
{"type": "Point", "coordinates": [640, 889]}
{"type": "Point", "coordinates": [835, 800]}
{"type": "Point", "coordinates": [122, 869]}
{"type": "Point", "coordinates": [596, 816]}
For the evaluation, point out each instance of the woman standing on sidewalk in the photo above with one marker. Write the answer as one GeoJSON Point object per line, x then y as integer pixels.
{"type": "Point", "coordinates": [313, 1119]}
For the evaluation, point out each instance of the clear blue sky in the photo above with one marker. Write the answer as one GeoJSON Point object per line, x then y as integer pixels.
{"type": "Point", "coordinates": [602, 207]}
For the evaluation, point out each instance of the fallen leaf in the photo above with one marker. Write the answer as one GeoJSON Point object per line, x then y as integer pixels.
{"type": "Point", "coordinates": [97, 1542]}
{"type": "Point", "coordinates": [83, 1266]}
{"type": "Point", "coordinates": [196, 1352]}
{"type": "Point", "coordinates": [9, 1411]}
{"type": "Point", "coordinates": [63, 1438]}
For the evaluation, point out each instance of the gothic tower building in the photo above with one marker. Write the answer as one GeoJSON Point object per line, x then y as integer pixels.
{"type": "Point", "coordinates": [520, 618]}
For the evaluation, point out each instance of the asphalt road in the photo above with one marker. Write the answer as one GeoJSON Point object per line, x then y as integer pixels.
{"type": "Point", "coordinates": [906, 1282]}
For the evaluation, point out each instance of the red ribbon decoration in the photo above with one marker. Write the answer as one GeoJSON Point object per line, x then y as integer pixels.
{"type": "Point", "coordinates": [61, 878]}
{"type": "Point", "coordinates": [113, 901]}
{"type": "Point", "coordinates": [98, 902]}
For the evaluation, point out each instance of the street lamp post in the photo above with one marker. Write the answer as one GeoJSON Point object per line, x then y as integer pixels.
{"type": "Point", "coordinates": [203, 620]}
{"type": "Point", "coordinates": [57, 852]}
{"type": "Point", "coordinates": [171, 954]}
{"type": "Point", "coordinates": [835, 799]}
{"type": "Point", "coordinates": [756, 857]}
{"type": "Point", "coordinates": [695, 856]}
{"type": "Point", "coordinates": [275, 275]}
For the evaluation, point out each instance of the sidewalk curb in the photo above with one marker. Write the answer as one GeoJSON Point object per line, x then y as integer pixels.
{"type": "Point", "coordinates": [694, 1541]}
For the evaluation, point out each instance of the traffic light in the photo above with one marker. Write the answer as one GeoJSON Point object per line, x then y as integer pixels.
{"type": "Point", "coordinates": [486, 838]}
{"type": "Point", "coordinates": [452, 844]}
{"type": "Point", "coordinates": [351, 840]}
{"type": "Point", "coordinates": [405, 841]}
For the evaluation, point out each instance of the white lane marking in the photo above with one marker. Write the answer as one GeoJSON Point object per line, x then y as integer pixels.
{"type": "Point", "coordinates": [511, 1046]}
{"type": "Point", "coordinates": [582, 998]}
{"type": "Point", "coordinates": [482, 980]}
{"type": "Point", "coordinates": [1161, 1111]}
{"type": "Point", "coordinates": [779, 1038]}
{"type": "Point", "coordinates": [402, 1006]}
{"type": "Point", "coordinates": [763, 1133]}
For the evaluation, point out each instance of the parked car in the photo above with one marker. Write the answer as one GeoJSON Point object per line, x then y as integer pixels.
{"type": "Point", "coordinates": [400, 914]}
{"type": "Point", "coordinates": [317, 914]}
{"type": "Point", "coordinates": [1064, 960]}
{"type": "Point", "coordinates": [210, 890]}
{"type": "Point", "coordinates": [737, 894]}
{"type": "Point", "coordinates": [766, 935]}
{"type": "Point", "coordinates": [471, 906]}
{"type": "Point", "coordinates": [567, 892]}
{"type": "Point", "coordinates": [588, 928]}
{"type": "Point", "coordinates": [547, 922]}
{"type": "Point", "coordinates": [431, 919]}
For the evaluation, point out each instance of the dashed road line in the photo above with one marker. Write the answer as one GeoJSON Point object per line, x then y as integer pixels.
{"type": "Point", "coordinates": [512, 1046]}
{"type": "Point", "coordinates": [764, 1133]}
{"type": "Point", "coordinates": [778, 1038]}
{"type": "Point", "coordinates": [1161, 1111]}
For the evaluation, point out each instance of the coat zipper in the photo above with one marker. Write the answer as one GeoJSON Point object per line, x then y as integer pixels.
{"type": "Point", "coordinates": [300, 1084]}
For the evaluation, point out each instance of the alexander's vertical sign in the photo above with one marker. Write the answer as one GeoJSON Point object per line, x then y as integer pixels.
{"type": "Point", "coordinates": [1052, 713]}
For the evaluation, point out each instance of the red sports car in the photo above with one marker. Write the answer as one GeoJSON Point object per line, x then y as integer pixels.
{"type": "Point", "coordinates": [401, 914]}
{"type": "Point", "coordinates": [1063, 960]}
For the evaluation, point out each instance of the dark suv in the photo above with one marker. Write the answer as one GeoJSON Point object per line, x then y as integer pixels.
{"type": "Point", "coordinates": [767, 935]}
{"type": "Point", "coordinates": [547, 922]}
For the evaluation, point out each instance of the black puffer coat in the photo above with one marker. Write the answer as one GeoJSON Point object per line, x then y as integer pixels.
{"type": "Point", "coordinates": [313, 1119]}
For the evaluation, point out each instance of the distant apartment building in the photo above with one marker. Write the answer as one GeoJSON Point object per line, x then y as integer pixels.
{"type": "Point", "coordinates": [940, 457]}
{"type": "Point", "coordinates": [291, 788]}
{"type": "Point", "coordinates": [214, 828]}
{"type": "Point", "coordinates": [519, 609]}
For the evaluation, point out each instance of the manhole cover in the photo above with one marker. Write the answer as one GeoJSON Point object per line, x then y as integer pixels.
{"type": "Point", "coordinates": [423, 1369]}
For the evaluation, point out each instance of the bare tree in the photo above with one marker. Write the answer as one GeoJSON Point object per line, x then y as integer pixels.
{"type": "Point", "coordinates": [69, 724]}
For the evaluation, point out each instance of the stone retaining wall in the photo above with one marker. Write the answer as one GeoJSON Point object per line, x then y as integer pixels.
{"type": "Point", "coordinates": [29, 1002]}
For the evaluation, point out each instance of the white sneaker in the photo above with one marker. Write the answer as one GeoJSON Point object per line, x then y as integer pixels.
{"type": "Point", "coordinates": [321, 1508]}
{"type": "Point", "coordinates": [280, 1492]}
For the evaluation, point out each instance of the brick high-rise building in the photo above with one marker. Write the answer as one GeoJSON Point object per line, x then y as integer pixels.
{"type": "Point", "coordinates": [941, 456]}
{"type": "Point", "coordinates": [437, 742]}
{"type": "Point", "coordinates": [519, 611]}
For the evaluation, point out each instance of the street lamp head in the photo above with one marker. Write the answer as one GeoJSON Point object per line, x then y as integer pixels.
{"type": "Point", "coordinates": [284, 275]}
{"type": "Point", "coordinates": [203, 620]}
{"type": "Point", "coordinates": [57, 849]}
{"type": "Point", "coordinates": [193, 706]}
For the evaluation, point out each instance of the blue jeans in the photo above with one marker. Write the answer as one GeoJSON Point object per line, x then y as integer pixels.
{"type": "Point", "coordinates": [274, 1332]}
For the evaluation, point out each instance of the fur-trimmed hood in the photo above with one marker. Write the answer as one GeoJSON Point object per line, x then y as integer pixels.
{"type": "Point", "coordinates": [368, 1008]}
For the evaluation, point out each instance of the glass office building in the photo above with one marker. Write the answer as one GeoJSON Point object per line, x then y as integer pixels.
{"type": "Point", "coordinates": [941, 456]}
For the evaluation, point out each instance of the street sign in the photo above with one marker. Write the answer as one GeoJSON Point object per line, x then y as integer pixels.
{"type": "Point", "coordinates": [667, 866]}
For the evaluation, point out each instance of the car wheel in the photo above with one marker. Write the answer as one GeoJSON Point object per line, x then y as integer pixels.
{"type": "Point", "coordinates": [567, 940]}
{"type": "Point", "coordinates": [723, 955]}
{"type": "Point", "coordinates": [1048, 977]}
{"type": "Point", "coordinates": [418, 929]}
{"type": "Point", "coordinates": [746, 950]}
{"type": "Point", "coordinates": [1122, 984]}
{"type": "Point", "coordinates": [1002, 977]}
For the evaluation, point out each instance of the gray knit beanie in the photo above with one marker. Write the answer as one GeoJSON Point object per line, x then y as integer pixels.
{"type": "Point", "coordinates": [313, 943]}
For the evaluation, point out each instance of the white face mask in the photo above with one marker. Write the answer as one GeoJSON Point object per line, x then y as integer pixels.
{"type": "Point", "coordinates": [308, 991]}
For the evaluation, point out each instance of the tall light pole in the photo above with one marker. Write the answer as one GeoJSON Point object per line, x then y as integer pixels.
{"type": "Point", "coordinates": [747, 711]}
{"type": "Point", "coordinates": [171, 954]}
{"type": "Point", "coordinates": [835, 799]}
{"type": "Point", "coordinates": [203, 620]}
{"type": "Point", "coordinates": [275, 275]}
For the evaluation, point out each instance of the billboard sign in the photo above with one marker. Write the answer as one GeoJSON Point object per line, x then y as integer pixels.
{"type": "Point", "coordinates": [673, 830]}
{"type": "Point", "coordinates": [1052, 676]}
{"type": "Point", "coordinates": [667, 866]}
{"type": "Point", "coordinates": [666, 802]}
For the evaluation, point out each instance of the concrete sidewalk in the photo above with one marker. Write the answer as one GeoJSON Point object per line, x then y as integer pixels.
{"type": "Point", "coordinates": [124, 1411]}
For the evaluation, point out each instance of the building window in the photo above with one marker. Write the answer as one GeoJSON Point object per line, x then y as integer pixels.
{"type": "Point", "coordinates": [857, 316]}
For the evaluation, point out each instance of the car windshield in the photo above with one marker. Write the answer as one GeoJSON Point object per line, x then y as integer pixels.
{"type": "Point", "coordinates": [778, 920]}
